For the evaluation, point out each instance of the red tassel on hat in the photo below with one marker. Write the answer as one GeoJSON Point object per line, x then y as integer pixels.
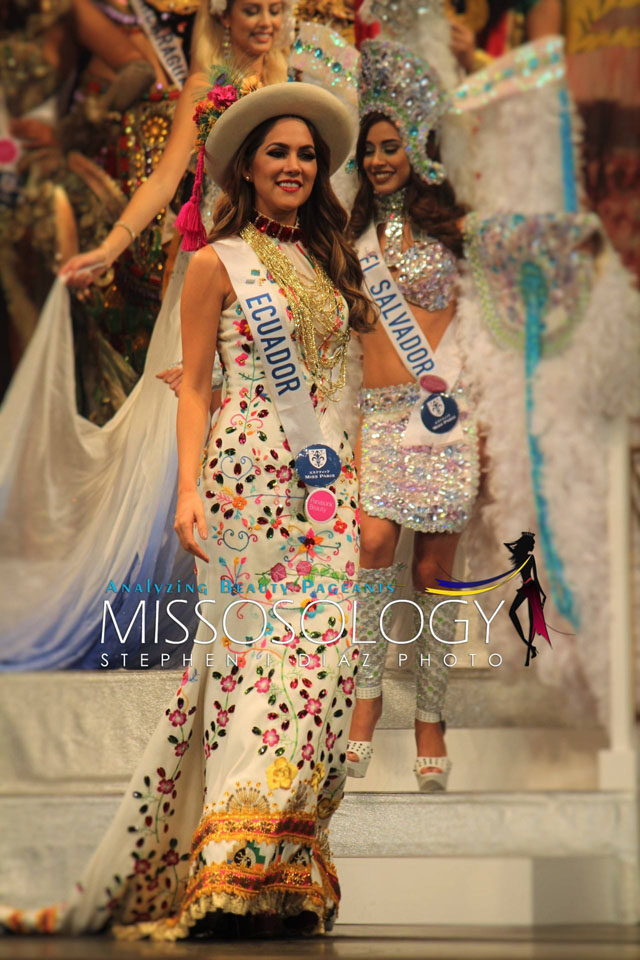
{"type": "Point", "coordinates": [189, 222]}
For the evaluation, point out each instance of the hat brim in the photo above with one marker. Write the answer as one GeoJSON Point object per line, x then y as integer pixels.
{"type": "Point", "coordinates": [330, 118]}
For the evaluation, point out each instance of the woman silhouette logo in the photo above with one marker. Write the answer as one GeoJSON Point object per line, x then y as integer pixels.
{"type": "Point", "coordinates": [522, 556]}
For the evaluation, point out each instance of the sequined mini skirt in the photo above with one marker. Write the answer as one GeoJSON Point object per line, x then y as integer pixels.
{"type": "Point", "coordinates": [427, 488]}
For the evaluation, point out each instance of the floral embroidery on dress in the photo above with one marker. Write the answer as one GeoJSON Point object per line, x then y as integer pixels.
{"type": "Point", "coordinates": [228, 806]}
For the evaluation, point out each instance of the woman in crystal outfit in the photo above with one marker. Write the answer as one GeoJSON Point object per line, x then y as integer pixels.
{"type": "Point", "coordinates": [226, 814]}
{"type": "Point", "coordinates": [425, 482]}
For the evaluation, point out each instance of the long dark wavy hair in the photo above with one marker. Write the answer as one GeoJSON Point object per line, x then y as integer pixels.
{"type": "Point", "coordinates": [322, 218]}
{"type": "Point", "coordinates": [520, 549]}
{"type": "Point", "coordinates": [433, 208]}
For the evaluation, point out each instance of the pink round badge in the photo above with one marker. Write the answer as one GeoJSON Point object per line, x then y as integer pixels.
{"type": "Point", "coordinates": [9, 151]}
{"type": "Point", "coordinates": [321, 505]}
{"type": "Point", "coordinates": [433, 384]}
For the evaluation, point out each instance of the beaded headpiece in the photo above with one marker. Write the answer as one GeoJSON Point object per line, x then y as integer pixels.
{"type": "Point", "coordinates": [227, 87]}
{"type": "Point", "coordinates": [397, 18]}
{"type": "Point", "coordinates": [399, 84]}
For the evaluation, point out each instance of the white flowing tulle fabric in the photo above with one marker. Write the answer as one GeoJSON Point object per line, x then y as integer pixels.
{"type": "Point", "coordinates": [229, 806]}
{"type": "Point", "coordinates": [82, 505]}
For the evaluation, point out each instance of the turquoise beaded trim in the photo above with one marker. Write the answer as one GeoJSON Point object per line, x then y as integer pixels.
{"type": "Point", "coordinates": [326, 54]}
{"type": "Point", "coordinates": [526, 68]}
{"type": "Point", "coordinates": [567, 272]}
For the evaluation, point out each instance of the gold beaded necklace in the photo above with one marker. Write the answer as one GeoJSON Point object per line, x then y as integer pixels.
{"type": "Point", "coordinates": [315, 309]}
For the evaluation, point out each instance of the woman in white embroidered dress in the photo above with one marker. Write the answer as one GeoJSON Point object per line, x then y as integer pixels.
{"type": "Point", "coordinates": [226, 814]}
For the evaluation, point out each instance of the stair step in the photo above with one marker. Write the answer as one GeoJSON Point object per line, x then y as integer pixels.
{"type": "Point", "coordinates": [523, 842]}
{"type": "Point", "coordinates": [487, 891]}
{"type": "Point", "coordinates": [102, 720]}
{"type": "Point", "coordinates": [517, 759]}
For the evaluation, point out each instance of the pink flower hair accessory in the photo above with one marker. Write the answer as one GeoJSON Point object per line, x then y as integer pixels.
{"type": "Point", "coordinates": [226, 89]}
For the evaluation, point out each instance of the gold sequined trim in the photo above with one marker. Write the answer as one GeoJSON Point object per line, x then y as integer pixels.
{"type": "Point", "coordinates": [265, 828]}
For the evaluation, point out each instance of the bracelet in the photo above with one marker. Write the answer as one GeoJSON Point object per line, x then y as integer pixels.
{"type": "Point", "coordinates": [130, 230]}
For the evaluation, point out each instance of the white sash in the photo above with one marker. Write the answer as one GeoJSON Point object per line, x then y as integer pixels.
{"type": "Point", "coordinates": [167, 47]}
{"type": "Point", "coordinates": [266, 312]}
{"type": "Point", "coordinates": [409, 340]}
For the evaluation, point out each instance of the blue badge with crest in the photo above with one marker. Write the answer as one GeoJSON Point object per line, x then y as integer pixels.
{"type": "Point", "coordinates": [318, 465]}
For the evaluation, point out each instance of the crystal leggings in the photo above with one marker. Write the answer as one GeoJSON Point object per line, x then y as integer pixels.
{"type": "Point", "coordinates": [431, 673]}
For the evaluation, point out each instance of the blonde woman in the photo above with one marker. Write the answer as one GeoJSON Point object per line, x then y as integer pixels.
{"type": "Point", "coordinates": [252, 33]}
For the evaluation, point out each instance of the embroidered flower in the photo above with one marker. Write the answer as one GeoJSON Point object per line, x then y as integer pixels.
{"type": "Point", "coordinates": [278, 572]}
{"type": "Point", "coordinates": [262, 684]}
{"type": "Point", "coordinates": [331, 739]}
{"type": "Point", "coordinates": [165, 785]}
{"type": "Point", "coordinates": [228, 683]}
{"type": "Point", "coordinates": [307, 751]}
{"type": "Point", "coordinates": [303, 567]}
{"type": "Point", "coordinates": [339, 526]}
{"type": "Point", "coordinates": [318, 776]}
{"type": "Point", "coordinates": [350, 568]}
{"type": "Point", "coordinates": [284, 474]}
{"type": "Point", "coordinates": [181, 748]}
{"type": "Point", "coordinates": [241, 359]}
{"type": "Point", "coordinates": [313, 706]}
{"type": "Point", "coordinates": [313, 661]}
{"type": "Point", "coordinates": [239, 503]}
{"type": "Point", "coordinates": [171, 858]}
{"type": "Point", "coordinates": [142, 866]}
{"type": "Point", "coordinates": [309, 542]}
{"type": "Point", "coordinates": [281, 774]}
{"type": "Point", "coordinates": [347, 685]}
{"type": "Point", "coordinates": [271, 737]}
{"type": "Point", "coordinates": [309, 611]}
{"type": "Point", "coordinates": [177, 718]}
{"type": "Point", "coordinates": [244, 330]}
{"type": "Point", "coordinates": [222, 718]}
{"type": "Point", "coordinates": [327, 807]}
{"type": "Point", "coordinates": [329, 636]}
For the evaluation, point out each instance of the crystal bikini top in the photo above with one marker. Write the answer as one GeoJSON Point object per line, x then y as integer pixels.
{"type": "Point", "coordinates": [427, 271]}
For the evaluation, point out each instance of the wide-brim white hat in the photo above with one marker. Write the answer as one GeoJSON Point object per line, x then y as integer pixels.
{"type": "Point", "coordinates": [330, 118]}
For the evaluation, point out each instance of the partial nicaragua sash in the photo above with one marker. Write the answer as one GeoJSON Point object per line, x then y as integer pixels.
{"type": "Point", "coordinates": [166, 45]}
{"type": "Point", "coordinates": [265, 309]}
{"type": "Point", "coordinates": [435, 418]}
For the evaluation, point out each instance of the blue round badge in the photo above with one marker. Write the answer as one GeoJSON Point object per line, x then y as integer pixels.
{"type": "Point", "coordinates": [439, 413]}
{"type": "Point", "coordinates": [318, 465]}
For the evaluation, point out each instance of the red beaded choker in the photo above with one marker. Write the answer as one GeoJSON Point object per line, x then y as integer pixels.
{"type": "Point", "coordinates": [279, 231]}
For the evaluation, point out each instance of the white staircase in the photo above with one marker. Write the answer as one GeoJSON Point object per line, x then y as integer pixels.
{"type": "Point", "coordinates": [523, 836]}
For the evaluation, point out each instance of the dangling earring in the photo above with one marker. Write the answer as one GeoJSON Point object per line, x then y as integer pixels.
{"type": "Point", "coordinates": [226, 44]}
